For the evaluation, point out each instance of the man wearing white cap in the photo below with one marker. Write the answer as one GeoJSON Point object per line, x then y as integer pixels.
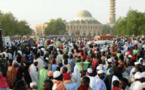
{"type": "Point", "coordinates": [137, 85]}
{"type": "Point", "coordinates": [33, 71]}
{"type": "Point", "coordinates": [96, 77]}
{"type": "Point", "coordinates": [133, 69]}
{"type": "Point", "coordinates": [100, 67]}
{"type": "Point", "coordinates": [57, 82]}
{"type": "Point", "coordinates": [89, 74]}
{"type": "Point", "coordinates": [100, 85]}
{"type": "Point", "coordinates": [109, 66]}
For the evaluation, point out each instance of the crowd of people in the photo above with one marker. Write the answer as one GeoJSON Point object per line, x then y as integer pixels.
{"type": "Point", "coordinates": [51, 64]}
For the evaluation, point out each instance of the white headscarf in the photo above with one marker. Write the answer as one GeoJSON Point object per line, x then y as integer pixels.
{"type": "Point", "coordinates": [76, 76]}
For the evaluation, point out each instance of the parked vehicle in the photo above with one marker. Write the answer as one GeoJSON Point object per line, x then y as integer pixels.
{"type": "Point", "coordinates": [7, 41]}
{"type": "Point", "coordinates": [100, 42]}
{"type": "Point", "coordinates": [107, 37]}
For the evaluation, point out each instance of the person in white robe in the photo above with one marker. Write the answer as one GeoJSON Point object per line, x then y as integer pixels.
{"type": "Point", "coordinates": [76, 76]}
{"type": "Point", "coordinates": [89, 72]}
{"type": "Point", "coordinates": [133, 69]}
{"type": "Point", "coordinates": [33, 71]}
{"type": "Point", "coordinates": [100, 85]}
{"type": "Point", "coordinates": [40, 62]}
{"type": "Point", "coordinates": [138, 85]}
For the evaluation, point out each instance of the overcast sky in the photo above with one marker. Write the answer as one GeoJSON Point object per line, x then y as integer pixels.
{"type": "Point", "coordinates": [40, 11]}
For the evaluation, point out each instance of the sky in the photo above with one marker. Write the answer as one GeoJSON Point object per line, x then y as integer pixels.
{"type": "Point", "coordinates": [40, 11]}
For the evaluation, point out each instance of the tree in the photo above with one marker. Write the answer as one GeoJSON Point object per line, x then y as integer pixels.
{"type": "Point", "coordinates": [24, 28]}
{"type": "Point", "coordinates": [11, 26]}
{"type": "Point", "coordinates": [106, 29]}
{"type": "Point", "coordinates": [55, 27]}
{"type": "Point", "coordinates": [132, 24]}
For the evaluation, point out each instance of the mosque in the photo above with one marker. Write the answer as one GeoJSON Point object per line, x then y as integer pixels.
{"type": "Point", "coordinates": [83, 25]}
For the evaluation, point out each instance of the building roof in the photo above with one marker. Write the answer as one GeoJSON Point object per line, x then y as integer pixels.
{"type": "Point", "coordinates": [84, 13]}
{"type": "Point", "coordinates": [84, 17]}
{"type": "Point", "coordinates": [84, 22]}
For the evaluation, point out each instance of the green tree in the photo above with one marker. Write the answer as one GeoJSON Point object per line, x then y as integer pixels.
{"type": "Point", "coordinates": [132, 24]}
{"type": "Point", "coordinates": [11, 26]}
{"type": "Point", "coordinates": [8, 24]}
{"type": "Point", "coordinates": [55, 27]}
{"type": "Point", "coordinates": [106, 29]}
{"type": "Point", "coordinates": [24, 28]}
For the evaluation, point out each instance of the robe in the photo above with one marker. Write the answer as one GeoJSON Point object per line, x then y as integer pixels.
{"type": "Point", "coordinates": [100, 85]}
{"type": "Point", "coordinates": [137, 85]}
{"type": "Point", "coordinates": [76, 76]}
{"type": "Point", "coordinates": [40, 64]}
{"type": "Point", "coordinates": [33, 73]}
{"type": "Point", "coordinates": [42, 78]}
{"type": "Point", "coordinates": [91, 81]}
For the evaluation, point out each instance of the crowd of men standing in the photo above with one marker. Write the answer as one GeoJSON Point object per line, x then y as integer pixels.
{"type": "Point", "coordinates": [50, 64]}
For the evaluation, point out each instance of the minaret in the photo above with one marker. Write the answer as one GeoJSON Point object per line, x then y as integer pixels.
{"type": "Point", "coordinates": [112, 11]}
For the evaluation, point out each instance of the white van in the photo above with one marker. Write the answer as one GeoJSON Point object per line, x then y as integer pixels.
{"type": "Point", "coordinates": [101, 42]}
{"type": "Point", "coordinates": [7, 40]}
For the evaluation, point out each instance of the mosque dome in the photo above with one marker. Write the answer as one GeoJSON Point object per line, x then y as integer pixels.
{"type": "Point", "coordinates": [84, 13]}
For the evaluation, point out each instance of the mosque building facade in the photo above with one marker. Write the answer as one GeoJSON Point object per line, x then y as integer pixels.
{"type": "Point", "coordinates": [83, 25]}
{"type": "Point", "coordinates": [39, 29]}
